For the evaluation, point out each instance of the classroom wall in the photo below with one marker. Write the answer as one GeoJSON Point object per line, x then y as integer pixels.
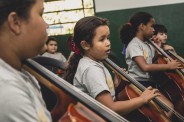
{"type": "Point", "coordinates": [167, 12]}
{"type": "Point", "coordinates": [62, 44]}
{"type": "Point", "coordinates": [170, 15]}
{"type": "Point", "coordinates": [111, 5]}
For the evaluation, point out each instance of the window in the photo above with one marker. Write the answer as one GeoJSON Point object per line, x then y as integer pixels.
{"type": "Point", "coordinates": [61, 15]}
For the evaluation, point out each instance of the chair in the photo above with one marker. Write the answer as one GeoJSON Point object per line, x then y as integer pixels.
{"type": "Point", "coordinates": [51, 64]}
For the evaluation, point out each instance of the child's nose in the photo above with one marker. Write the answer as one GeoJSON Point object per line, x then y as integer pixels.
{"type": "Point", "coordinates": [108, 42]}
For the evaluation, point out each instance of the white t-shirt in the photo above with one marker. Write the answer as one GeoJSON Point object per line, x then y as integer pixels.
{"type": "Point", "coordinates": [92, 78]}
{"type": "Point", "coordinates": [58, 56]}
{"type": "Point", "coordinates": [139, 48]}
{"type": "Point", "coordinates": [20, 97]}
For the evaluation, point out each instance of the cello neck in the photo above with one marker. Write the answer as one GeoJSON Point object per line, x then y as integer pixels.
{"type": "Point", "coordinates": [160, 50]}
{"type": "Point", "coordinates": [163, 53]}
{"type": "Point", "coordinates": [176, 56]}
{"type": "Point", "coordinates": [118, 70]}
{"type": "Point", "coordinates": [106, 113]}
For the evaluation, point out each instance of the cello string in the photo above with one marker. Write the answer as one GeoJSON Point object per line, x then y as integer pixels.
{"type": "Point", "coordinates": [140, 86]}
{"type": "Point", "coordinates": [163, 53]}
{"type": "Point", "coordinates": [176, 56]}
{"type": "Point", "coordinates": [178, 115]}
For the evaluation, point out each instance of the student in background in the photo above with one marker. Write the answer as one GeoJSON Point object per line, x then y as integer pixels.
{"type": "Point", "coordinates": [51, 51]}
{"type": "Point", "coordinates": [20, 94]}
{"type": "Point", "coordinates": [160, 37]}
{"type": "Point", "coordinates": [139, 53]}
{"type": "Point", "coordinates": [86, 71]}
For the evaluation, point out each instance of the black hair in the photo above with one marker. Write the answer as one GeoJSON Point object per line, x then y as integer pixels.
{"type": "Point", "coordinates": [159, 29]}
{"type": "Point", "coordinates": [84, 29]}
{"type": "Point", "coordinates": [21, 7]}
{"type": "Point", "coordinates": [51, 39]}
{"type": "Point", "coordinates": [128, 31]}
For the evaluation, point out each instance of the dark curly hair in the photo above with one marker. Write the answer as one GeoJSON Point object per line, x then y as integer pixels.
{"type": "Point", "coordinates": [159, 29]}
{"type": "Point", "coordinates": [129, 30]}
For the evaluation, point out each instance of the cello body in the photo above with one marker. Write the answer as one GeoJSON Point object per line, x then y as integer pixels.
{"type": "Point", "coordinates": [79, 113]}
{"type": "Point", "coordinates": [171, 83]}
{"type": "Point", "coordinates": [147, 113]}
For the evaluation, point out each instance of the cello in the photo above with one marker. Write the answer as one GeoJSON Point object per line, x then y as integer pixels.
{"type": "Point", "coordinates": [175, 56]}
{"type": "Point", "coordinates": [163, 53]}
{"type": "Point", "coordinates": [67, 93]}
{"type": "Point", "coordinates": [171, 82]}
{"type": "Point", "coordinates": [155, 113]}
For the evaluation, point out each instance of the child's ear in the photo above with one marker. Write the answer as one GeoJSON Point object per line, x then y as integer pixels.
{"type": "Point", "coordinates": [85, 45]}
{"type": "Point", "coordinates": [141, 26]}
{"type": "Point", "coordinates": [14, 23]}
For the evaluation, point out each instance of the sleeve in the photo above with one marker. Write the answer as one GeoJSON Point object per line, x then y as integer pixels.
{"type": "Point", "coordinates": [134, 50]}
{"type": "Point", "coordinates": [16, 105]}
{"type": "Point", "coordinates": [62, 57]}
{"type": "Point", "coordinates": [153, 51]}
{"type": "Point", "coordinates": [95, 81]}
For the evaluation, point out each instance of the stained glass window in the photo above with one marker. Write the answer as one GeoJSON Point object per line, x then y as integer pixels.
{"type": "Point", "coordinates": [61, 15]}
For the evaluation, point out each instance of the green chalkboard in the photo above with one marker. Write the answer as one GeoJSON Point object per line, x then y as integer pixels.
{"type": "Point", "coordinates": [62, 44]}
{"type": "Point", "coordinates": [172, 16]}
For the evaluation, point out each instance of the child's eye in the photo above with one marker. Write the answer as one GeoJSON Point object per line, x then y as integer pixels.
{"type": "Point", "coordinates": [103, 39]}
{"type": "Point", "coordinates": [161, 34]}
